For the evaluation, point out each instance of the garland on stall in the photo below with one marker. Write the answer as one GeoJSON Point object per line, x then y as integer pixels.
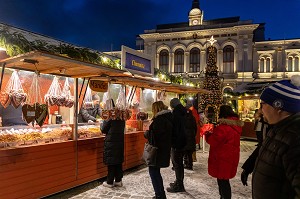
{"type": "Point", "coordinates": [16, 44]}
{"type": "Point", "coordinates": [182, 79]}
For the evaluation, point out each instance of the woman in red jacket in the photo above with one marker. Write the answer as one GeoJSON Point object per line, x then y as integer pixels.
{"type": "Point", "coordinates": [224, 152]}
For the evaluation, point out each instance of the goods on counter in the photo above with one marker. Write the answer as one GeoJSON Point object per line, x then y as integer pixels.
{"type": "Point", "coordinates": [30, 136]}
{"type": "Point", "coordinates": [89, 131]}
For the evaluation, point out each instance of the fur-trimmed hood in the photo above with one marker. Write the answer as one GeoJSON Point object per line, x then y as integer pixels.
{"type": "Point", "coordinates": [233, 121]}
{"type": "Point", "coordinates": [162, 112]}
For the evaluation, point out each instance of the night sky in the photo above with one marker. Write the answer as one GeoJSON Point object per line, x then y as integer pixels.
{"type": "Point", "coordinates": [105, 25]}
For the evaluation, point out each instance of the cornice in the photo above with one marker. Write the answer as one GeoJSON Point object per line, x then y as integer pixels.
{"type": "Point", "coordinates": [190, 33]}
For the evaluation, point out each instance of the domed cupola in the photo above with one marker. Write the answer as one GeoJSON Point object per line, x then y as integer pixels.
{"type": "Point", "coordinates": [195, 14]}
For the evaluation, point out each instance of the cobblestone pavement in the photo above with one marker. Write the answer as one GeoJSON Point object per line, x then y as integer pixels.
{"type": "Point", "coordinates": [137, 183]}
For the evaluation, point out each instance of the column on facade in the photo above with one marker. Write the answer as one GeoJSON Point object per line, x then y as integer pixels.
{"type": "Point", "coordinates": [279, 61]}
{"type": "Point", "coordinates": [236, 58]}
{"type": "Point", "coordinates": [202, 60]}
{"type": "Point", "coordinates": [186, 61]}
{"type": "Point", "coordinates": [157, 60]}
{"type": "Point", "coordinates": [171, 62]}
{"type": "Point", "coordinates": [271, 64]}
{"type": "Point", "coordinates": [220, 60]}
{"type": "Point", "coordinates": [293, 64]}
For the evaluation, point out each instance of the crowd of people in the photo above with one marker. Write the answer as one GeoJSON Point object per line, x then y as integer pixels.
{"type": "Point", "coordinates": [275, 163]}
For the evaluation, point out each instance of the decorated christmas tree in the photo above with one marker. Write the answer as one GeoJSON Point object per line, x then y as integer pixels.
{"type": "Point", "coordinates": [210, 102]}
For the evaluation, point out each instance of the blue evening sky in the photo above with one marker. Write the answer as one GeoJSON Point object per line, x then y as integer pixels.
{"type": "Point", "coordinates": [107, 24]}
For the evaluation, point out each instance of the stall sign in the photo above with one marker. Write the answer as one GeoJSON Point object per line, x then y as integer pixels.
{"type": "Point", "coordinates": [136, 62]}
{"type": "Point", "coordinates": [98, 86]}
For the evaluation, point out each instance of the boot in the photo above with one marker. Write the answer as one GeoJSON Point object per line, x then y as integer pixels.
{"type": "Point", "coordinates": [159, 197]}
{"type": "Point", "coordinates": [176, 187]}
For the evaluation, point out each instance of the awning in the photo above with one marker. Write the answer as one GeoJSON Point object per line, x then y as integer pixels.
{"type": "Point", "coordinates": [64, 66]}
{"type": "Point", "coordinates": [252, 87]}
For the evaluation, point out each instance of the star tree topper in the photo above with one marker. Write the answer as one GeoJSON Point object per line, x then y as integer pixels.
{"type": "Point", "coordinates": [212, 40]}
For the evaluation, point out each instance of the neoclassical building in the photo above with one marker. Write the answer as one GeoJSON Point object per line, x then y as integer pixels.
{"type": "Point", "coordinates": [243, 54]}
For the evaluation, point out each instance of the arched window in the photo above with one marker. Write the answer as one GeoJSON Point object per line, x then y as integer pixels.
{"type": "Point", "coordinates": [164, 60]}
{"type": "Point", "coordinates": [179, 61]}
{"type": "Point", "coordinates": [265, 64]}
{"type": "Point", "coordinates": [290, 64]}
{"type": "Point", "coordinates": [228, 59]}
{"type": "Point", "coordinates": [268, 65]}
{"type": "Point", "coordinates": [194, 60]}
{"type": "Point", "coordinates": [262, 65]}
{"type": "Point", "coordinates": [296, 69]}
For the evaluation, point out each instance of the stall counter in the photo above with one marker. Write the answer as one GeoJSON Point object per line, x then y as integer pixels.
{"type": "Point", "coordinates": [36, 171]}
{"type": "Point", "coordinates": [248, 130]}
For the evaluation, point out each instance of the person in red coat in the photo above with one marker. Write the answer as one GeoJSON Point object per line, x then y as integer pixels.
{"type": "Point", "coordinates": [224, 152]}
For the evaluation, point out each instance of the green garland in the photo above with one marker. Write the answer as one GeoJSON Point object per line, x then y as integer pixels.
{"type": "Point", "coordinates": [163, 75]}
{"type": "Point", "coordinates": [16, 44]}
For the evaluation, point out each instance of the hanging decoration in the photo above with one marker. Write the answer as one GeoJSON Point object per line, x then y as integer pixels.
{"type": "Point", "coordinates": [34, 110]}
{"type": "Point", "coordinates": [66, 94]}
{"type": "Point", "coordinates": [88, 99]}
{"type": "Point", "coordinates": [115, 111]}
{"type": "Point", "coordinates": [13, 93]}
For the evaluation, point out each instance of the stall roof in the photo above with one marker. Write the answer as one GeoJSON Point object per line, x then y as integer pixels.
{"type": "Point", "coordinates": [252, 87]}
{"type": "Point", "coordinates": [64, 66]}
{"type": "Point", "coordinates": [58, 65]}
{"type": "Point", "coordinates": [150, 83]}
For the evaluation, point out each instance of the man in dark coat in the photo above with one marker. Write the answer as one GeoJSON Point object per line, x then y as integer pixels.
{"type": "Point", "coordinates": [276, 173]}
{"type": "Point", "coordinates": [113, 155]}
{"type": "Point", "coordinates": [191, 131]}
{"type": "Point", "coordinates": [90, 114]}
{"type": "Point", "coordinates": [178, 144]}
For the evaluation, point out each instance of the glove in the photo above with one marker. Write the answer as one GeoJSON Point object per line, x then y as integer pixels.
{"type": "Point", "coordinates": [244, 177]}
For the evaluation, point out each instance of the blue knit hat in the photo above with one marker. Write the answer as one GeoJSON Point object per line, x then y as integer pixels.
{"type": "Point", "coordinates": [284, 95]}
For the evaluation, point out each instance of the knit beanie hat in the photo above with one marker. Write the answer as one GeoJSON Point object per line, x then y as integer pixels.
{"type": "Point", "coordinates": [174, 102]}
{"type": "Point", "coordinates": [284, 95]}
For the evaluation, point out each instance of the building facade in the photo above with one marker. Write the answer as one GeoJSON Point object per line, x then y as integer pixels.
{"type": "Point", "coordinates": [243, 54]}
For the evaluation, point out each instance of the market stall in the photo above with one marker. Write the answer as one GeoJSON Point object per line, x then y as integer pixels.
{"type": "Point", "coordinates": [59, 155]}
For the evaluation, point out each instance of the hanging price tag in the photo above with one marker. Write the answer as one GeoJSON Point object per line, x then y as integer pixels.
{"type": "Point", "coordinates": [98, 86]}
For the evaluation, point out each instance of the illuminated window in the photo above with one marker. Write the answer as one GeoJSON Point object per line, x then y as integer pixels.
{"type": "Point", "coordinates": [262, 65]}
{"type": "Point", "coordinates": [265, 64]}
{"type": "Point", "coordinates": [293, 63]}
{"type": "Point", "coordinates": [164, 60]}
{"type": "Point", "coordinates": [194, 60]}
{"type": "Point", "coordinates": [179, 61]}
{"type": "Point", "coordinates": [228, 59]}
{"type": "Point", "coordinates": [290, 64]}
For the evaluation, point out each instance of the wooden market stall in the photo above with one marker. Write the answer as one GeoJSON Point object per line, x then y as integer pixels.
{"type": "Point", "coordinates": [35, 171]}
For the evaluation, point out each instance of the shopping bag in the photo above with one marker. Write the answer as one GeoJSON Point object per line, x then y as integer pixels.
{"type": "Point", "coordinates": [149, 154]}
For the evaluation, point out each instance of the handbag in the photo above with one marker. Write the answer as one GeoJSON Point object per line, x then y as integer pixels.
{"type": "Point", "coordinates": [149, 154]}
{"type": "Point", "coordinates": [150, 151]}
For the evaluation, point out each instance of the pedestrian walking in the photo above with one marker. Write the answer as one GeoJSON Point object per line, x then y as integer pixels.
{"type": "Point", "coordinates": [178, 144]}
{"type": "Point", "coordinates": [224, 149]}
